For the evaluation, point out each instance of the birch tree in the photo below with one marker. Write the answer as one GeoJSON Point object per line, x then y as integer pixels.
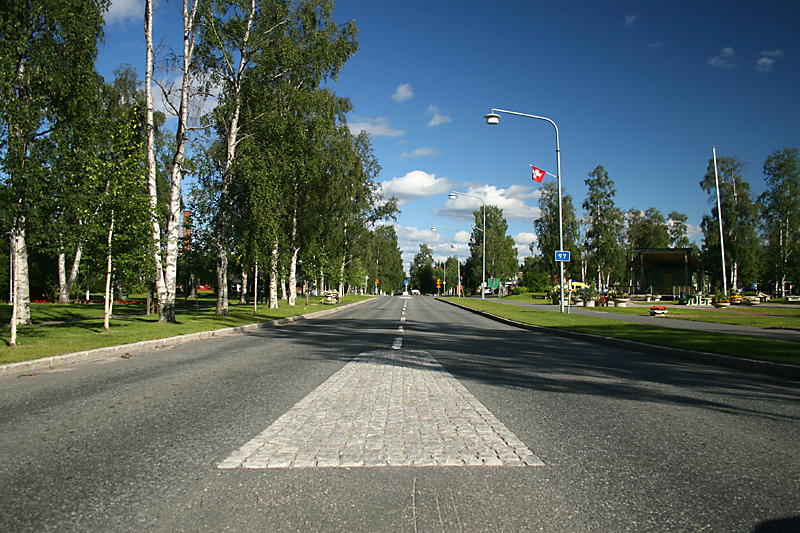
{"type": "Point", "coordinates": [124, 222]}
{"type": "Point", "coordinates": [780, 216]}
{"type": "Point", "coordinates": [546, 229]}
{"type": "Point", "coordinates": [678, 230]}
{"type": "Point", "coordinates": [189, 87]}
{"type": "Point", "coordinates": [75, 191]}
{"type": "Point", "coordinates": [739, 220]}
{"type": "Point", "coordinates": [229, 41]}
{"type": "Point", "coordinates": [267, 56]}
{"type": "Point", "coordinates": [47, 54]}
{"type": "Point", "coordinates": [604, 226]}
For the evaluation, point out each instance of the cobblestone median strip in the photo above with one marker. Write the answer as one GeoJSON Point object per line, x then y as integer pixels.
{"type": "Point", "coordinates": [386, 408]}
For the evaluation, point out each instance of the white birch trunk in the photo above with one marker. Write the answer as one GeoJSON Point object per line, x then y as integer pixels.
{"type": "Point", "coordinates": [243, 294]}
{"type": "Point", "coordinates": [65, 283]}
{"type": "Point", "coordinates": [255, 290]}
{"type": "Point", "coordinates": [63, 296]}
{"type": "Point", "coordinates": [341, 278]}
{"type": "Point", "coordinates": [167, 313]}
{"type": "Point", "coordinates": [108, 295]}
{"type": "Point", "coordinates": [293, 263]}
{"type": "Point", "coordinates": [22, 299]}
{"type": "Point", "coordinates": [293, 277]}
{"type": "Point", "coordinates": [161, 289]}
{"type": "Point", "coordinates": [14, 254]}
{"type": "Point", "coordinates": [273, 277]}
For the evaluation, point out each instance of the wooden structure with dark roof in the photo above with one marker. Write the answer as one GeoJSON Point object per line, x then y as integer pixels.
{"type": "Point", "coordinates": [662, 269]}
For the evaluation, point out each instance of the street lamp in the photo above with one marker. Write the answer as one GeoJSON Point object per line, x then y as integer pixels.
{"type": "Point", "coordinates": [453, 195]}
{"type": "Point", "coordinates": [493, 119]}
{"type": "Point", "coordinates": [458, 258]}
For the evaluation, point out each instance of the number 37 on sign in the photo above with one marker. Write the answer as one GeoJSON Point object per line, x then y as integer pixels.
{"type": "Point", "coordinates": [562, 255]}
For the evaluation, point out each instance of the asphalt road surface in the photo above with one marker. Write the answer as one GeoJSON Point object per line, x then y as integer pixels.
{"type": "Point", "coordinates": [402, 414]}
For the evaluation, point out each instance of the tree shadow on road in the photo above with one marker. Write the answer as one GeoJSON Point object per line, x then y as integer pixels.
{"type": "Point", "coordinates": [481, 350]}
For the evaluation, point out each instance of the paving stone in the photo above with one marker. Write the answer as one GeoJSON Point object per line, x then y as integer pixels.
{"type": "Point", "coordinates": [385, 408]}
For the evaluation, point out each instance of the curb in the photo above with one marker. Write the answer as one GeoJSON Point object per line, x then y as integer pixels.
{"type": "Point", "coordinates": [54, 361]}
{"type": "Point", "coordinates": [764, 367]}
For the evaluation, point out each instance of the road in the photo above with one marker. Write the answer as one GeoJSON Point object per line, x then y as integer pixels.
{"type": "Point", "coordinates": [403, 414]}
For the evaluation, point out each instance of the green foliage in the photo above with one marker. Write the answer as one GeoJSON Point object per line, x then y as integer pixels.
{"type": "Point", "coordinates": [738, 221]}
{"type": "Point", "coordinates": [47, 81]}
{"type": "Point", "coordinates": [780, 217]}
{"type": "Point", "coordinates": [604, 227]}
{"type": "Point", "coordinates": [384, 259]}
{"type": "Point", "coordinates": [536, 274]}
{"type": "Point", "coordinates": [646, 231]}
{"type": "Point", "coordinates": [421, 274]}
{"type": "Point", "coordinates": [678, 230]}
{"type": "Point", "coordinates": [501, 251]}
{"type": "Point", "coordinates": [546, 229]}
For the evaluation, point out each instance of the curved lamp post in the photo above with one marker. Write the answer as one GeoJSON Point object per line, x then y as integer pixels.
{"type": "Point", "coordinates": [453, 195]}
{"type": "Point", "coordinates": [458, 258]}
{"type": "Point", "coordinates": [493, 119]}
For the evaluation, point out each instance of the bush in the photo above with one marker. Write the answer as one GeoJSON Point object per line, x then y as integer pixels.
{"type": "Point", "coordinates": [516, 291]}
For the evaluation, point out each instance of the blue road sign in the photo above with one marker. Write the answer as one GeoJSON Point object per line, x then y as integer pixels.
{"type": "Point", "coordinates": [405, 282]}
{"type": "Point", "coordinates": [562, 255]}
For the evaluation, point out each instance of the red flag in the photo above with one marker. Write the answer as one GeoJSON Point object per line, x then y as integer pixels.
{"type": "Point", "coordinates": [451, 246]}
{"type": "Point", "coordinates": [538, 174]}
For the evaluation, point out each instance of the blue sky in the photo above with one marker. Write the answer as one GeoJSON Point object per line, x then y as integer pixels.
{"type": "Point", "coordinates": [643, 88]}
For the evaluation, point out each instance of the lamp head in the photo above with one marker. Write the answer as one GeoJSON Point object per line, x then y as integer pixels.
{"type": "Point", "coordinates": [492, 119]}
{"type": "Point", "coordinates": [452, 196]}
{"type": "Point", "coordinates": [433, 228]}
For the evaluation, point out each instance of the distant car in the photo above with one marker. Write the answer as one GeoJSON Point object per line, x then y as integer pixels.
{"type": "Point", "coordinates": [415, 292]}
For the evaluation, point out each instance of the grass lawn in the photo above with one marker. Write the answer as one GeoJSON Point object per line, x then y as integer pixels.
{"type": "Point", "coordinates": [783, 317]}
{"type": "Point", "coordinates": [37, 341]}
{"type": "Point", "coordinates": [733, 345]}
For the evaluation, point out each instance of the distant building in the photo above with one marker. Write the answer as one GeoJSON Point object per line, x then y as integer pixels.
{"type": "Point", "coordinates": [662, 270]}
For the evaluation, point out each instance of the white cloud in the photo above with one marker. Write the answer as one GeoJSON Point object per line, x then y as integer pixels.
{"type": "Point", "coordinates": [377, 127]}
{"type": "Point", "coordinates": [409, 239]}
{"type": "Point", "coordinates": [438, 118]}
{"type": "Point", "coordinates": [513, 206]}
{"type": "Point", "coordinates": [724, 59]}
{"type": "Point", "coordinates": [523, 241]}
{"type": "Point", "coordinates": [415, 185]}
{"type": "Point", "coordinates": [523, 192]}
{"type": "Point", "coordinates": [124, 10]}
{"type": "Point", "coordinates": [630, 20]}
{"type": "Point", "coordinates": [654, 46]}
{"type": "Point", "coordinates": [764, 64]}
{"type": "Point", "coordinates": [420, 152]}
{"type": "Point", "coordinates": [403, 93]}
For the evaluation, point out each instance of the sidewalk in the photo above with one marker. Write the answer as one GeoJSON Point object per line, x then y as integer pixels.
{"type": "Point", "coordinates": [791, 335]}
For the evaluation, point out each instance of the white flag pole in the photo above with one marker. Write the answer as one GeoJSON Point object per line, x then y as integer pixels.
{"type": "Point", "coordinates": [719, 215]}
